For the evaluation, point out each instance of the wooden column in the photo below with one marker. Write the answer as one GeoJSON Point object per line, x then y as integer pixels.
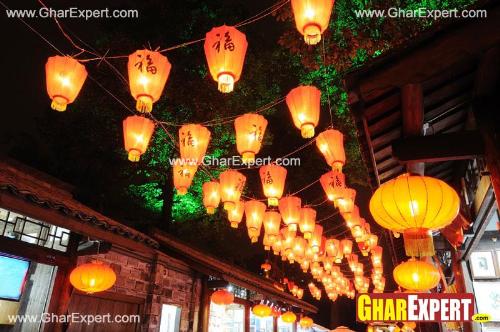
{"type": "Point", "coordinates": [412, 108]}
{"type": "Point", "coordinates": [204, 306]}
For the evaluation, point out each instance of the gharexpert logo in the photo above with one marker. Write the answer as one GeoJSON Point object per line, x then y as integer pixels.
{"type": "Point", "coordinates": [414, 307]}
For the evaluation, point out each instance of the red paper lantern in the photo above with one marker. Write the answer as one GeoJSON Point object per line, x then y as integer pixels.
{"type": "Point", "coordinates": [211, 196]}
{"type": "Point", "coordinates": [304, 105]}
{"type": "Point", "coordinates": [333, 184]}
{"type": "Point", "coordinates": [254, 214]}
{"type": "Point", "coordinates": [92, 277]}
{"type": "Point", "coordinates": [250, 129]}
{"type": "Point", "coordinates": [147, 74]}
{"type": "Point", "coordinates": [290, 207]}
{"type": "Point", "coordinates": [183, 175]}
{"type": "Point", "coordinates": [222, 297]}
{"type": "Point", "coordinates": [225, 49]}
{"type": "Point", "coordinates": [193, 143]}
{"type": "Point", "coordinates": [231, 185]}
{"type": "Point", "coordinates": [307, 221]}
{"type": "Point", "coordinates": [137, 132]}
{"type": "Point", "coordinates": [312, 18]}
{"type": "Point", "coordinates": [331, 144]}
{"type": "Point", "coordinates": [64, 78]}
{"type": "Point", "coordinates": [273, 182]}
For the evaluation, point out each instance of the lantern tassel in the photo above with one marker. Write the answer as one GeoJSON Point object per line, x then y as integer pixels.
{"type": "Point", "coordinates": [59, 104]}
{"type": "Point", "coordinates": [418, 242]}
{"type": "Point", "coordinates": [144, 104]}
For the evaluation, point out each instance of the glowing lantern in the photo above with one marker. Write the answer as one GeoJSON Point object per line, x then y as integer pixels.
{"type": "Point", "coordinates": [346, 202]}
{"type": "Point", "coordinates": [236, 214]}
{"type": "Point", "coordinates": [304, 265]}
{"type": "Point", "coordinates": [137, 131]}
{"type": "Point", "coordinates": [306, 322]}
{"type": "Point", "coordinates": [262, 310]}
{"type": "Point", "coordinates": [307, 221]}
{"type": "Point", "coordinates": [372, 240]}
{"type": "Point", "coordinates": [333, 184]}
{"type": "Point", "coordinates": [273, 182]}
{"type": "Point", "coordinates": [250, 129]}
{"type": "Point", "coordinates": [312, 18]}
{"type": "Point", "coordinates": [332, 247]}
{"type": "Point", "coordinates": [211, 196]}
{"type": "Point", "coordinates": [272, 222]}
{"type": "Point", "coordinates": [288, 237]}
{"type": "Point", "coordinates": [331, 144]}
{"type": "Point", "coordinates": [352, 218]}
{"type": "Point", "coordinates": [415, 206]}
{"type": "Point", "coordinates": [183, 175]}
{"type": "Point", "coordinates": [304, 105]}
{"type": "Point", "coordinates": [299, 247]}
{"type": "Point", "coordinates": [346, 246]}
{"type": "Point", "coordinates": [288, 317]}
{"type": "Point", "coordinates": [92, 277]}
{"type": "Point", "coordinates": [222, 297]}
{"type": "Point", "coordinates": [147, 74]}
{"type": "Point", "coordinates": [277, 245]}
{"type": "Point", "coordinates": [316, 238]}
{"type": "Point", "coordinates": [266, 266]}
{"type": "Point", "coordinates": [290, 207]}
{"type": "Point", "coordinates": [376, 255]}
{"type": "Point", "coordinates": [254, 213]}
{"type": "Point", "coordinates": [225, 49]}
{"type": "Point", "coordinates": [231, 186]}
{"type": "Point", "coordinates": [300, 293]}
{"type": "Point", "coordinates": [193, 143]}
{"type": "Point", "coordinates": [64, 78]}
{"type": "Point", "coordinates": [415, 275]}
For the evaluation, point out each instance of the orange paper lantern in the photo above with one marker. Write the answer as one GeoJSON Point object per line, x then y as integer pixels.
{"type": "Point", "coordinates": [250, 129]}
{"type": "Point", "coordinates": [225, 49]}
{"type": "Point", "coordinates": [235, 215]}
{"type": "Point", "coordinates": [312, 18]}
{"type": "Point", "coordinates": [64, 78]}
{"type": "Point", "coordinates": [92, 277]}
{"type": "Point", "coordinates": [193, 143]}
{"type": "Point", "coordinates": [137, 131]}
{"type": "Point", "coordinates": [304, 105]}
{"type": "Point", "coordinates": [333, 184]}
{"type": "Point", "coordinates": [272, 222]}
{"type": "Point", "coordinates": [231, 185]}
{"type": "Point", "coordinates": [346, 202]}
{"type": "Point", "coordinates": [289, 317]}
{"type": "Point", "coordinates": [306, 322]}
{"type": "Point", "coordinates": [211, 196]}
{"type": "Point", "coordinates": [183, 175]}
{"type": "Point", "coordinates": [346, 246]}
{"type": "Point", "coordinates": [307, 221]}
{"type": "Point", "coordinates": [273, 179]}
{"type": "Point", "coordinates": [415, 206]}
{"type": "Point", "coordinates": [262, 310]}
{"type": "Point", "coordinates": [290, 207]}
{"type": "Point", "coordinates": [222, 297]}
{"type": "Point", "coordinates": [416, 276]}
{"type": "Point", "coordinates": [266, 267]}
{"type": "Point", "coordinates": [316, 238]}
{"type": "Point", "coordinates": [331, 144]}
{"type": "Point", "coordinates": [254, 215]}
{"type": "Point", "coordinates": [147, 74]}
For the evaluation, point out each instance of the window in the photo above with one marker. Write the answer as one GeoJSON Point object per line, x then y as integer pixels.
{"type": "Point", "coordinates": [258, 324]}
{"type": "Point", "coordinates": [285, 327]}
{"type": "Point", "coordinates": [170, 318]}
{"type": "Point", "coordinates": [230, 318]}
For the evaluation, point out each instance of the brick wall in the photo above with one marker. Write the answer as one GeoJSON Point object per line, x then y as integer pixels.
{"type": "Point", "coordinates": [162, 281]}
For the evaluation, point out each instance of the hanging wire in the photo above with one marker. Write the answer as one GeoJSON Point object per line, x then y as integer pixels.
{"type": "Point", "coordinates": [327, 93]}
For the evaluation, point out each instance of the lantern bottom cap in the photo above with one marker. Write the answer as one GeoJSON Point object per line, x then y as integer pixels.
{"type": "Point", "coordinates": [312, 34]}
{"type": "Point", "coordinates": [307, 130]}
{"type": "Point", "coordinates": [307, 235]}
{"type": "Point", "coordinates": [182, 191]}
{"type": "Point", "coordinates": [267, 248]}
{"type": "Point", "coordinates": [210, 210]}
{"type": "Point", "coordinates": [134, 155]}
{"type": "Point", "coordinates": [234, 224]}
{"type": "Point", "coordinates": [144, 104]}
{"type": "Point", "coordinates": [272, 201]}
{"type": "Point", "coordinates": [248, 157]}
{"type": "Point", "coordinates": [225, 82]}
{"type": "Point", "coordinates": [228, 206]}
{"type": "Point", "coordinates": [59, 104]}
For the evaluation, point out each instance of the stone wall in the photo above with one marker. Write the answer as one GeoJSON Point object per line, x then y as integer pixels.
{"type": "Point", "coordinates": [164, 280]}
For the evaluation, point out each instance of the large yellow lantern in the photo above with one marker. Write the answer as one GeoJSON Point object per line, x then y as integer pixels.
{"type": "Point", "coordinates": [331, 144]}
{"type": "Point", "coordinates": [333, 184]}
{"type": "Point", "coordinates": [92, 277]}
{"type": "Point", "coordinates": [254, 216]}
{"type": "Point", "coordinates": [193, 142]}
{"type": "Point", "coordinates": [312, 18]}
{"type": "Point", "coordinates": [137, 132]}
{"type": "Point", "coordinates": [211, 196]}
{"type": "Point", "coordinates": [262, 310]}
{"type": "Point", "coordinates": [250, 129]}
{"type": "Point", "coordinates": [307, 221]}
{"type": "Point", "coordinates": [290, 207]}
{"type": "Point", "coordinates": [231, 185]}
{"type": "Point", "coordinates": [64, 78]}
{"type": "Point", "coordinates": [273, 179]}
{"type": "Point", "coordinates": [183, 175]}
{"type": "Point", "coordinates": [306, 322]}
{"type": "Point", "coordinates": [304, 105]}
{"type": "Point", "coordinates": [415, 205]}
{"type": "Point", "coordinates": [225, 49]}
{"type": "Point", "coordinates": [416, 275]}
{"type": "Point", "coordinates": [235, 215]}
{"type": "Point", "coordinates": [147, 74]}
{"type": "Point", "coordinates": [289, 317]}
